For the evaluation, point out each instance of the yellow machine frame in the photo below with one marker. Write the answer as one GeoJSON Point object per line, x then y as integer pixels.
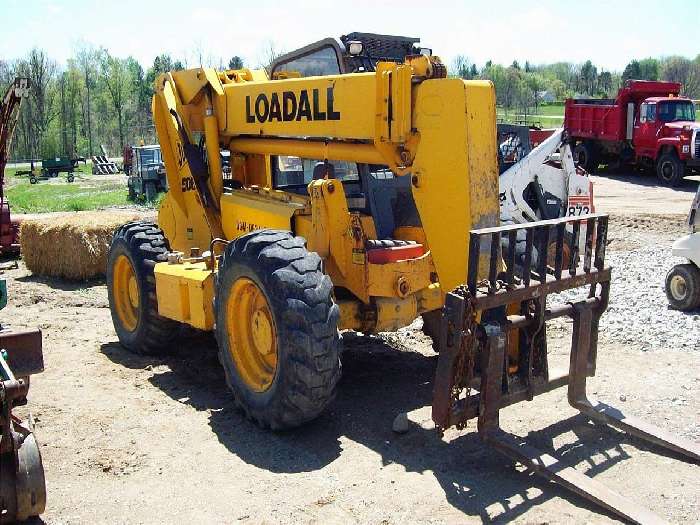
{"type": "Point", "coordinates": [438, 131]}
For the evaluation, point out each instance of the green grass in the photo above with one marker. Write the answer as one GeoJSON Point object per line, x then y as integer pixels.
{"type": "Point", "coordinates": [88, 192]}
{"type": "Point", "coordinates": [41, 198]}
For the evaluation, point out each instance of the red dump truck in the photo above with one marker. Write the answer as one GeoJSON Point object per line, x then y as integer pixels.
{"type": "Point", "coordinates": [648, 124]}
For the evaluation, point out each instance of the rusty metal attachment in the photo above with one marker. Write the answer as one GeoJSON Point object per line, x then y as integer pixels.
{"type": "Point", "coordinates": [505, 353]}
{"type": "Point", "coordinates": [22, 484]}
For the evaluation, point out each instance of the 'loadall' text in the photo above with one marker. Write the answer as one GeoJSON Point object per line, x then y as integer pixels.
{"type": "Point", "coordinates": [291, 106]}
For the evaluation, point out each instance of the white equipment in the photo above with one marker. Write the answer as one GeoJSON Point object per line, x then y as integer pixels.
{"type": "Point", "coordinates": [683, 281]}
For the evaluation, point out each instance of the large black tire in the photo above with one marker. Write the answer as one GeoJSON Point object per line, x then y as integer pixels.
{"type": "Point", "coordinates": [305, 318]}
{"type": "Point", "coordinates": [683, 287]}
{"type": "Point", "coordinates": [144, 244]}
{"type": "Point", "coordinates": [586, 157]}
{"type": "Point", "coordinates": [670, 169]}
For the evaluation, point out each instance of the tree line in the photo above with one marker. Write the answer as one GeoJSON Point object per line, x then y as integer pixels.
{"type": "Point", "coordinates": [524, 88]}
{"type": "Point", "coordinates": [97, 99]}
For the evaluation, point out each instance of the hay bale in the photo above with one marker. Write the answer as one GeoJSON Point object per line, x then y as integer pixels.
{"type": "Point", "coordinates": [71, 245]}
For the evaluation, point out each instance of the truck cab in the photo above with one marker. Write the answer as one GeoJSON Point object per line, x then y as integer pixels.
{"type": "Point", "coordinates": [665, 130]}
{"type": "Point", "coordinates": [147, 173]}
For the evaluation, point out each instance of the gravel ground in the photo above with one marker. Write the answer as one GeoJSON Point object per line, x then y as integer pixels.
{"type": "Point", "coordinates": [638, 313]}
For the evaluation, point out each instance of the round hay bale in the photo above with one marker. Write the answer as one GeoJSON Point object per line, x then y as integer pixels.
{"type": "Point", "coordinates": [72, 245]}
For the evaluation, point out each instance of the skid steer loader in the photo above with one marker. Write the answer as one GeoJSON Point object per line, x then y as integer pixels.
{"type": "Point", "coordinates": [358, 201]}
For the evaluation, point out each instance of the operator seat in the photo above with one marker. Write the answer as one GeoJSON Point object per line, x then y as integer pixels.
{"type": "Point", "coordinates": [324, 170]}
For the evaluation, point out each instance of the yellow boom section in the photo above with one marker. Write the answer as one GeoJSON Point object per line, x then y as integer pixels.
{"type": "Point", "coordinates": [440, 132]}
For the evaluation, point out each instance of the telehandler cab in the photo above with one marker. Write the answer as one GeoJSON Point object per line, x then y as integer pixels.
{"type": "Point", "coordinates": [357, 200]}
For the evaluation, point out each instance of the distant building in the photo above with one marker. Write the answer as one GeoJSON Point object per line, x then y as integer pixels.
{"type": "Point", "coordinates": [546, 97]}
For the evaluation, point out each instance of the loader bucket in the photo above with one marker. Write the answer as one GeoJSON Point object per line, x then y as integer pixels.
{"type": "Point", "coordinates": [493, 348]}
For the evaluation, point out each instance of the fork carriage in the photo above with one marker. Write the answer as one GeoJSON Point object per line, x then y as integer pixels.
{"type": "Point", "coordinates": [493, 351]}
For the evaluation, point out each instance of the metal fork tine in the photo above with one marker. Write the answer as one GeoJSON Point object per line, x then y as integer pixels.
{"type": "Point", "coordinates": [542, 244]}
{"type": "Point", "coordinates": [473, 270]}
{"type": "Point", "coordinates": [527, 262]}
{"type": "Point", "coordinates": [559, 257]}
{"type": "Point", "coordinates": [575, 240]}
{"type": "Point", "coordinates": [494, 260]}
{"type": "Point", "coordinates": [588, 254]}
{"type": "Point", "coordinates": [602, 235]}
{"type": "Point", "coordinates": [510, 263]}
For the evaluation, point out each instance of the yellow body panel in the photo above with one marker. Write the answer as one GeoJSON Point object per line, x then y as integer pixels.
{"type": "Point", "coordinates": [185, 293]}
{"type": "Point", "coordinates": [456, 169]}
{"type": "Point", "coordinates": [439, 132]}
{"type": "Point", "coordinates": [335, 107]}
{"type": "Point", "coordinates": [245, 211]}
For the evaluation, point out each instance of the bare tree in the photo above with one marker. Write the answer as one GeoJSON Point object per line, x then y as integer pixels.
{"type": "Point", "coordinates": [685, 71]}
{"type": "Point", "coordinates": [269, 53]}
{"type": "Point", "coordinates": [117, 79]}
{"type": "Point", "coordinates": [86, 58]}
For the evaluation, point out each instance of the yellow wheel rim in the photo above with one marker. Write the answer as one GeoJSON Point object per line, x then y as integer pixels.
{"type": "Point", "coordinates": [126, 293]}
{"type": "Point", "coordinates": [252, 336]}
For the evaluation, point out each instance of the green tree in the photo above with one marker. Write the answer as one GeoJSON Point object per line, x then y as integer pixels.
{"type": "Point", "coordinates": [236, 62]}
{"type": "Point", "coordinates": [632, 71]}
{"type": "Point", "coordinates": [117, 80]}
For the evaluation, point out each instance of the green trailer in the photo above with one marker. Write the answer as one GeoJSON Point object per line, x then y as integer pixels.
{"type": "Point", "coordinates": [51, 167]}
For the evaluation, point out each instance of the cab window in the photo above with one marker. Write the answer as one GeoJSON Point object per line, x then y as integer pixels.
{"type": "Point", "coordinates": [321, 62]}
{"type": "Point", "coordinates": [291, 172]}
{"type": "Point", "coordinates": [647, 112]}
{"type": "Point", "coordinates": [676, 111]}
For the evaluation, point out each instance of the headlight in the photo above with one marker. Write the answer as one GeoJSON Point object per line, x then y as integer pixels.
{"type": "Point", "coordinates": [686, 148]}
{"type": "Point", "coordinates": [355, 48]}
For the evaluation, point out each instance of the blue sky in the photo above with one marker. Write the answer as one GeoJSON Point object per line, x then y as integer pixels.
{"type": "Point", "coordinates": [609, 33]}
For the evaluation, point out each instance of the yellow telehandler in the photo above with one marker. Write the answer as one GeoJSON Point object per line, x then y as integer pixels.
{"type": "Point", "coordinates": [361, 192]}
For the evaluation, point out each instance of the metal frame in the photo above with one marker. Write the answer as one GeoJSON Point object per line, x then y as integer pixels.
{"type": "Point", "coordinates": [528, 282]}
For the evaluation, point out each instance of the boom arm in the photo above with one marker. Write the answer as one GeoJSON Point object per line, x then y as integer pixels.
{"type": "Point", "coordinates": [438, 131]}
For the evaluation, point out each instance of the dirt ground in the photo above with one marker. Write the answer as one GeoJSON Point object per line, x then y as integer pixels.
{"type": "Point", "coordinates": [131, 439]}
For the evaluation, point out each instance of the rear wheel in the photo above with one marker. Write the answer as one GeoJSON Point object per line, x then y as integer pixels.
{"type": "Point", "coordinates": [276, 326]}
{"type": "Point", "coordinates": [131, 288]}
{"type": "Point", "coordinates": [585, 156]}
{"type": "Point", "coordinates": [670, 169]}
{"type": "Point", "coordinates": [150, 191]}
{"type": "Point", "coordinates": [683, 287]}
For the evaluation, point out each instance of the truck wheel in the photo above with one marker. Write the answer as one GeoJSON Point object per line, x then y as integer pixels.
{"type": "Point", "coordinates": [670, 169]}
{"type": "Point", "coordinates": [149, 191]}
{"type": "Point", "coordinates": [70, 177]}
{"type": "Point", "coordinates": [132, 192]}
{"type": "Point", "coordinates": [32, 179]}
{"type": "Point", "coordinates": [585, 157]}
{"type": "Point", "coordinates": [683, 287]}
{"type": "Point", "coordinates": [131, 288]}
{"type": "Point", "coordinates": [277, 329]}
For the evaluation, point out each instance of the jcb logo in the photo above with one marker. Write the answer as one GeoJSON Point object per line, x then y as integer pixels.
{"type": "Point", "coordinates": [243, 226]}
{"type": "Point", "coordinates": [180, 155]}
{"type": "Point", "coordinates": [188, 184]}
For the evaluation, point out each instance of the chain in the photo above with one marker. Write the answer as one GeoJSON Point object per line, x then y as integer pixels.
{"type": "Point", "coordinates": [464, 365]}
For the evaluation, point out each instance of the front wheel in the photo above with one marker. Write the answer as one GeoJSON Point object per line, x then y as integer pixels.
{"type": "Point", "coordinates": [277, 329]}
{"type": "Point", "coordinates": [683, 287]}
{"type": "Point", "coordinates": [131, 288]}
{"type": "Point", "coordinates": [670, 169]}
